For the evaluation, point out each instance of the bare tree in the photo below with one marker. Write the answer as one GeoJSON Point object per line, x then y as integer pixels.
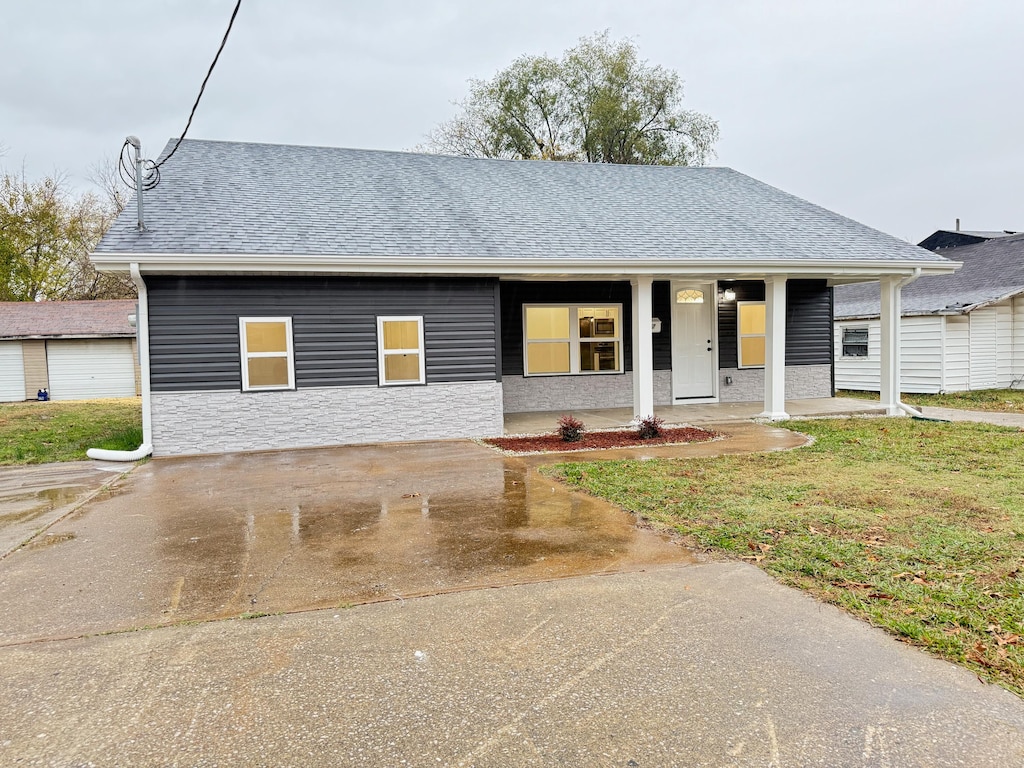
{"type": "Point", "coordinates": [598, 103]}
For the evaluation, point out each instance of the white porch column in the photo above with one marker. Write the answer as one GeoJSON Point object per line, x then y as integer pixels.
{"type": "Point", "coordinates": [775, 349]}
{"type": "Point", "coordinates": [643, 347]}
{"type": "Point", "coordinates": [891, 309]}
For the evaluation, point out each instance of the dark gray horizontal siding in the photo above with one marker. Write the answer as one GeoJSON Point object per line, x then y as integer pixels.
{"type": "Point", "coordinates": [808, 321]}
{"type": "Point", "coordinates": [194, 342]}
{"type": "Point", "coordinates": [661, 308]}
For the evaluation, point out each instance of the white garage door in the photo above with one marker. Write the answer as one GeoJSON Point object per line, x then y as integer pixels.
{"type": "Point", "coordinates": [12, 372]}
{"type": "Point", "coordinates": [84, 369]}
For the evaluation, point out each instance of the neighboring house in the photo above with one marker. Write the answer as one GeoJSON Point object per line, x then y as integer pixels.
{"type": "Point", "coordinates": [75, 350]}
{"type": "Point", "coordinates": [959, 332]}
{"type": "Point", "coordinates": [300, 296]}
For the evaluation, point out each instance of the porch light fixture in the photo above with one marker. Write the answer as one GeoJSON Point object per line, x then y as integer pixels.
{"type": "Point", "coordinates": [728, 295]}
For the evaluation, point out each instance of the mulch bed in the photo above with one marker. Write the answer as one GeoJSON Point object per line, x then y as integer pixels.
{"type": "Point", "coordinates": [618, 438]}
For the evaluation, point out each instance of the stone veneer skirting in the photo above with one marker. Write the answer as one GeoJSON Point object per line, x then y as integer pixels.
{"type": "Point", "coordinates": [802, 382]}
{"type": "Point", "coordinates": [523, 394]}
{"type": "Point", "coordinates": [563, 393]}
{"type": "Point", "coordinates": [220, 421]}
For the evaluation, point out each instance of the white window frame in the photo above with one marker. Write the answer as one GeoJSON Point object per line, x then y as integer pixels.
{"type": "Point", "coordinates": [381, 353]}
{"type": "Point", "coordinates": [289, 353]}
{"type": "Point", "coordinates": [740, 335]}
{"type": "Point", "coordinates": [574, 338]}
{"type": "Point", "coordinates": [867, 341]}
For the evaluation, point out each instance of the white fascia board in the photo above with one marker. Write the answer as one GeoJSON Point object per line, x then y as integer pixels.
{"type": "Point", "coordinates": [752, 268]}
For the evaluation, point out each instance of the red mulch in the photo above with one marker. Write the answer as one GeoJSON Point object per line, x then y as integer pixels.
{"type": "Point", "coordinates": [620, 438]}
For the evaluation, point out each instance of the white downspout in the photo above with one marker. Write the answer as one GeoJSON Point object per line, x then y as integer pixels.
{"type": "Point", "coordinates": [142, 329]}
{"type": "Point", "coordinates": [899, 362]}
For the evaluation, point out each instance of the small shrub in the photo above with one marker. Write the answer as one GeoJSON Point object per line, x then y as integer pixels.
{"type": "Point", "coordinates": [570, 429]}
{"type": "Point", "coordinates": [649, 427]}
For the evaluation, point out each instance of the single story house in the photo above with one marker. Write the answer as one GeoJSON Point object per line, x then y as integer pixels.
{"type": "Point", "coordinates": [299, 296]}
{"type": "Point", "coordinates": [959, 332]}
{"type": "Point", "coordinates": [75, 350]}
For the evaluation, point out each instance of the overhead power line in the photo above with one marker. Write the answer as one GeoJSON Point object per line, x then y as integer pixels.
{"type": "Point", "coordinates": [151, 170]}
{"type": "Point", "coordinates": [202, 87]}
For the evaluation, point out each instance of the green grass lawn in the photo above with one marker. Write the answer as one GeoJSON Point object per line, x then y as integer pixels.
{"type": "Point", "coordinates": [36, 433]}
{"type": "Point", "coordinates": [1004, 400]}
{"type": "Point", "coordinates": [916, 526]}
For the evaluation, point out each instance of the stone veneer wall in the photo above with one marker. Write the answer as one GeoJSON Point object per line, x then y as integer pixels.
{"type": "Point", "coordinates": [563, 393]}
{"type": "Point", "coordinates": [219, 421]}
{"type": "Point", "coordinates": [802, 382]}
{"type": "Point", "coordinates": [523, 394]}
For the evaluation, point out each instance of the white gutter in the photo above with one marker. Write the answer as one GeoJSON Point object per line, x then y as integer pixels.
{"type": "Point", "coordinates": [142, 329]}
{"type": "Point", "coordinates": [570, 267]}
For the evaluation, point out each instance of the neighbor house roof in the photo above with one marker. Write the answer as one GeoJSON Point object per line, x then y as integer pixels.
{"type": "Point", "coordinates": [65, 319]}
{"type": "Point", "coordinates": [945, 239]}
{"type": "Point", "coordinates": [993, 270]}
{"type": "Point", "coordinates": [269, 205]}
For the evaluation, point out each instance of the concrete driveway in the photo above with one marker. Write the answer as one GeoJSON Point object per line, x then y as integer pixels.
{"type": "Point", "coordinates": [34, 497]}
{"type": "Point", "coordinates": [604, 646]}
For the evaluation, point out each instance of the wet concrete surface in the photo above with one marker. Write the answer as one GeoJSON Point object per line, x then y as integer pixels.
{"type": "Point", "coordinates": [199, 538]}
{"type": "Point", "coordinates": [211, 537]}
{"type": "Point", "coordinates": [33, 497]}
{"type": "Point", "coordinates": [703, 665]}
{"type": "Point", "coordinates": [619, 652]}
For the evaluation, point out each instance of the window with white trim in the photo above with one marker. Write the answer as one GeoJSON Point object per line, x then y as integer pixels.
{"type": "Point", "coordinates": [855, 341]}
{"type": "Point", "coordinates": [573, 339]}
{"type": "Point", "coordinates": [268, 361]}
{"type": "Point", "coordinates": [750, 326]}
{"type": "Point", "coordinates": [400, 357]}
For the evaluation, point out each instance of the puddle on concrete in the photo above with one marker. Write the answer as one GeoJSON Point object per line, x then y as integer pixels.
{"type": "Point", "coordinates": [362, 528]}
{"type": "Point", "coordinates": [25, 507]}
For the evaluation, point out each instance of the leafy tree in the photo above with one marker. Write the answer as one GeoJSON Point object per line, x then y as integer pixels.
{"type": "Point", "coordinates": [599, 103]}
{"type": "Point", "coordinates": [46, 235]}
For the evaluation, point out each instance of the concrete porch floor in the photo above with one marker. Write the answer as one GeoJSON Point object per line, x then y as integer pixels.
{"type": "Point", "coordinates": [703, 413]}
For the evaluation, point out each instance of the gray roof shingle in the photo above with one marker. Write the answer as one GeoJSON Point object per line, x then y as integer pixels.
{"type": "Point", "coordinates": [223, 198]}
{"type": "Point", "coordinates": [65, 319]}
{"type": "Point", "coordinates": [992, 270]}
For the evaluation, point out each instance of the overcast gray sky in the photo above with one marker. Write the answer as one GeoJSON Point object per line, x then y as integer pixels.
{"type": "Point", "coordinates": [902, 114]}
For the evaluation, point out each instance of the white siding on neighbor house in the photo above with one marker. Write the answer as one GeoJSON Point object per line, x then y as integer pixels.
{"type": "Point", "coordinates": [860, 373]}
{"type": "Point", "coordinates": [920, 348]}
{"type": "Point", "coordinates": [12, 372]}
{"type": "Point", "coordinates": [921, 354]}
{"type": "Point", "coordinates": [83, 369]}
{"type": "Point", "coordinates": [984, 348]}
{"type": "Point", "coordinates": [958, 353]}
{"type": "Point", "coordinates": [1017, 313]}
{"type": "Point", "coordinates": [950, 353]}
{"type": "Point", "coordinates": [1004, 344]}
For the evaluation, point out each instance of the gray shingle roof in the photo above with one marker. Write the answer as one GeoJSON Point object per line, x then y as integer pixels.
{"type": "Point", "coordinates": [992, 270]}
{"type": "Point", "coordinates": [232, 198]}
{"type": "Point", "coordinates": [65, 319]}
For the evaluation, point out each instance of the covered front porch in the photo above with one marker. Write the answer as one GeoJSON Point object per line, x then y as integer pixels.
{"type": "Point", "coordinates": [702, 413]}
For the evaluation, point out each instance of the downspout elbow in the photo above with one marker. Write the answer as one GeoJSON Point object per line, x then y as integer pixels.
{"type": "Point", "coordinates": [142, 329]}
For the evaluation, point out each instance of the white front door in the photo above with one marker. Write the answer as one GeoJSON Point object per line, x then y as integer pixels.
{"type": "Point", "coordinates": [693, 340]}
